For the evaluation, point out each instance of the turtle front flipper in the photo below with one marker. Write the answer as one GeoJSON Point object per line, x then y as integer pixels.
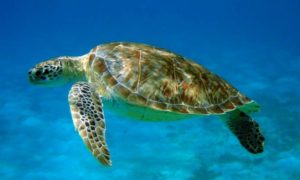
{"type": "Point", "coordinates": [88, 119]}
{"type": "Point", "coordinates": [246, 130]}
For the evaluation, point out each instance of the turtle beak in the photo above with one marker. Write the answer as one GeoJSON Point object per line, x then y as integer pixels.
{"type": "Point", "coordinates": [32, 75]}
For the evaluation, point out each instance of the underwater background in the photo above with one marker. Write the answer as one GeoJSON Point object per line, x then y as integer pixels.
{"type": "Point", "coordinates": [255, 45]}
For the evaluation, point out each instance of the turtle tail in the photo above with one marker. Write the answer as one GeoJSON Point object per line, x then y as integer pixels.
{"type": "Point", "coordinates": [246, 130]}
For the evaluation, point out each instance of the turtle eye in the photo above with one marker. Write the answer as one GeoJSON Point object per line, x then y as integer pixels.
{"type": "Point", "coordinates": [38, 72]}
{"type": "Point", "coordinates": [46, 71]}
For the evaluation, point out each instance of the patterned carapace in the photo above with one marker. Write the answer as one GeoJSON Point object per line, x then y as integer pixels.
{"type": "Point", "coordinates": [156, 78]}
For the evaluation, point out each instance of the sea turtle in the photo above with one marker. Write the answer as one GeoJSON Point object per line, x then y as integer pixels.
{"type": "Point", "coordinates": [147, 83]}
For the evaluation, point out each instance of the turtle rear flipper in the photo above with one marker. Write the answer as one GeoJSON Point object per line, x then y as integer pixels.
{"type": "Point", "coordinates": [246, 130]}
{"type": "Point", "coordinates": [86, 109]}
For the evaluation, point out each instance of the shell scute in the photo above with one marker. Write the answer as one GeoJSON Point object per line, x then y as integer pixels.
{"type": "Point", "coordinates": [236, 101]}
{"type": "Point", "coordinates": [99, 66]}
{"type": "Point", "coordinates": [122, 90]}
{"type": "Point", "coordinates": [227, 105]}
{"type": "Point", "coordinates": [215, 109]}
{"type": "Point", "coordinates": [200, 110]}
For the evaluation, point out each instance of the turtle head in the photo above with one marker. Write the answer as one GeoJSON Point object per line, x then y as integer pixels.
{"type": "Point", "coordinates": [56, 71]}
{"type": "Point", "coordinates": [47, 73]}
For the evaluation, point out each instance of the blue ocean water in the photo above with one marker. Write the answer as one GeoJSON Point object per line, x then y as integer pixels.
{"type": "Point", "coordinates": [255, 45]}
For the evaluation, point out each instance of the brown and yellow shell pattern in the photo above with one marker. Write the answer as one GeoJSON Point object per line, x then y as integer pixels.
{"type": "Point", "coordinates": [147, 76]}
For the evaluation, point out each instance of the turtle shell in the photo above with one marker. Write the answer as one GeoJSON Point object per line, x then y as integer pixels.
{"type": "Point", "coordinates": [147, 76]}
